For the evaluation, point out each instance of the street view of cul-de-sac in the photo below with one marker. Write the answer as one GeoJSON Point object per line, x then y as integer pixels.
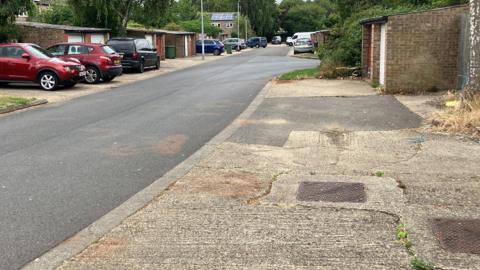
{"type": "Point", "coordinates": [240, 134]}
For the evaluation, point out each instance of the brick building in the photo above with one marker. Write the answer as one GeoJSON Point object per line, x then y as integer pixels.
{"type": "Point", "coordinates": [225, 21]}
{"type": "Point", "coordinates": [46, 35]}
{"type": "Point", "coordinates": [416, 51]}
{"type": "Point", "coordinates": [320, 37]}
{"type": "Point", "coordinates": [184, 42]}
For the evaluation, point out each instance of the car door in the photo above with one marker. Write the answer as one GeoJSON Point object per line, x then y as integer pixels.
{"type": "Point", "coordinates": [209, 46]}
{"type": "Point", "coordinates": [17, 67]}
{"type": "Point", "coordinates": [143, 50]}
{"type": "Point", "coordinates": [3, 63]}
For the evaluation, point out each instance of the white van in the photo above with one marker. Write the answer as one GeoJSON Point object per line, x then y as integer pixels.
{"type": "Point", "coordinates": [300, 35]}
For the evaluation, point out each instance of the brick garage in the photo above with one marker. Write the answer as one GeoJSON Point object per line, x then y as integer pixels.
{"type": "Point", "coordinates": [416, 51]}
{"type": "Point", "coordinates": [184, 42]}
{"type": "Point", "coordinates": [46, 35]}
{"type": "Point", "coordinates": [320, 37]}
{"type": "Point", "coordinates": [155, 36]}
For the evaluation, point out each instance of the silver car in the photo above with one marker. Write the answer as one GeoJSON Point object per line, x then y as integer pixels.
{"type": "Point", "coordinates": [236, 43]}
{"type": "Point", "coordinates": [303, 45]}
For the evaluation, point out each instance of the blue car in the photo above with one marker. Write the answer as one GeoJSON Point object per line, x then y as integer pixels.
{"type": "Point", "coordinates": [211, 46]}
{"type": "Point", "coordinates": [257, 42]}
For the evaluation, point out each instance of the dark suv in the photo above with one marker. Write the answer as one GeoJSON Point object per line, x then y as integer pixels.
{"type": "Point", "coordinates": [257, 42]}
{"type": "Point", "coordinates": [138, 53]}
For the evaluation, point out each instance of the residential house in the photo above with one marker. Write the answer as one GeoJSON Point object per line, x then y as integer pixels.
{"type": "Point", "coordinates": [417, 51]}
{"type": "Point", "coordinates": [225, 21]}
{"type": "Point", "coordinates": [42, 5]}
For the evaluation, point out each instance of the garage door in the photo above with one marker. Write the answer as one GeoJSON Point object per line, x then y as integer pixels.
{"type": "Point", "coordinates": [150, 39]}
{"type": "Point", "coordinates": [75, 38]}
{"type": "Point", "coordinates": [98, 38]}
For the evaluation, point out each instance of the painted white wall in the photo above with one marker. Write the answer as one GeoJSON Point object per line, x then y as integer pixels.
{"type": "Point", "coordinates": [75, 38]}
{"type": "Point", "coordinates": [98, 38]}
{"type": "Point", "coordinates": [186, 46]}
{"type": "Point", "coordinates": [383, 47]}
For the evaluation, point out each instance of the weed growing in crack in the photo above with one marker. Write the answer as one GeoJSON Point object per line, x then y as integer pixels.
{"type": "Point", "coordinates": [379, 173]}
{"type": "Point", "coordinates": [417, 262]}
{"type": "Point", "coordinates": [313, 173]}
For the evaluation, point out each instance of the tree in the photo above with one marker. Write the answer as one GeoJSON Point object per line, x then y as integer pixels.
{"type": "Point", "coordinates": [9, 10]}
{"type": "Point", "coordinates": [115, 14]}
{"type": "Point", "coordinates": [58, 13]}
{"type": "Point", "coordinates": [473, 87]}
{"type": "Point", "coordinates": [263, 15]}
{"type": "Point", "coordinates": [306, 16]}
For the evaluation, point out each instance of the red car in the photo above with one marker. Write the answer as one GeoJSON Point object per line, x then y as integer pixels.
{"type": "Point", "coordinates": [22, 62]}
{"type": "Point", "coordinates": [101, 61]}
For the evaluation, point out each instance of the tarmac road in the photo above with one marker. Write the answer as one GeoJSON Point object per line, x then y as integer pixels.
{"type": "Point", "coordinates": [64, 166]}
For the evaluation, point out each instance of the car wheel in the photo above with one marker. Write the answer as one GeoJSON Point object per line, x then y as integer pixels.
{"type": "Point", "coordinates": [157, 65]}
{"type": "Point", "coordinates": [141, 68]}
{"type": "Point", "coordinates": [48, 81]}
{"type": "Point", "coordinates": [257, 46]}
{"type": "Point", "coordinates": [238, 48]}
{"type": "Point", "coordinates": [108, 79]}
{"type": "Point", "coordinates": [3, 83]}
{"type": "Point", "coordinates": [216, 52]}
{"type": "Point", "coordinates": [93, 75]}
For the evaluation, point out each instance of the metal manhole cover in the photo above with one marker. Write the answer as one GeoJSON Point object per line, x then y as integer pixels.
{"type": "Point", "coordinates": [331, 192]}
{"type": "Point", "coordinates": [456, 235]}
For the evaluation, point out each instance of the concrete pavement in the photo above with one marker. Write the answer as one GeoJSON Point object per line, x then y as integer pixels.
{"type": "Point", "coordinates": [298, 191]}
{"type": "Point", "coordinates": [67, 164]}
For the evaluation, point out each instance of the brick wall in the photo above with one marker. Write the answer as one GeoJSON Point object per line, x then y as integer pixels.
{"type": "Point", "coordinates": [423, 50]}
{"type": "Point", "coordinates": [366, 43]}
{"type": "Point", "coordinates": [45, 37]}
{"type": "Point", "coordinates": [375, 52]}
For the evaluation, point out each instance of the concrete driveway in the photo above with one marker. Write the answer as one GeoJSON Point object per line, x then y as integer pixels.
{"type": "Point", "coordinates": [67, 164]}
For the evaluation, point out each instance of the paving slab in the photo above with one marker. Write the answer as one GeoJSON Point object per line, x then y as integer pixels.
{"type": "Point", "coordinates": [320, 88]}
{"type": "Point", "coordinates": [273, 121]}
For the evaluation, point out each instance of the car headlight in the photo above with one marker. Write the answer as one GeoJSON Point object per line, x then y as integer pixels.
{"type": "Point", "coordinates": [67, 68]}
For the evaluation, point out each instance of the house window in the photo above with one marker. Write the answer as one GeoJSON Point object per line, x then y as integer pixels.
{"type": "Point", "coordinates": [229, 25]}
{"type": "Point", "coordinates": [216, 24]}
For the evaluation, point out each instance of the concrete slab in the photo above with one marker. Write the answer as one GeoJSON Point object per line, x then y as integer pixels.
{"type": "Point", "coordinates": [320, 88]}
{"type": "Point", "coordinates": [273, 121]}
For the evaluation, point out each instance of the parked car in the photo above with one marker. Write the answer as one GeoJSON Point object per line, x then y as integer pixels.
{"type": "Point", "coordinates": [101, 61]}
{"type": "Point", "coordinates": [27, 63]}
{"type": "Point", "coordinates": [137, 53]}
{"type": "Point", "coordinates": [303, 45]}
{"type": "Point", "coordinates": [277, 40]}
{"type": "Point", "coordinates": [257, 42]}
{"type": "Point", "coordinates": [234, 42]}
{"type": "Point", "coordinates": [211, 46]}
{"type": "Point", "coordinates": [301, 35]}
{"type": "Point", "coordinates": [289, 41]}
{"type": "Point", "coordinates": [243, 43]}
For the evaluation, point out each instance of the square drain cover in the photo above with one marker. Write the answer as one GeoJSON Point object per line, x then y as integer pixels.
{"type": "Point", "coordinates": [459, 236]}
{"type": "Point", "coordinates": [331, 192]}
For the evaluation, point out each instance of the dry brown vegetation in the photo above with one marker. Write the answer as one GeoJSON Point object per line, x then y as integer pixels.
{"type": "Point", "coordinates": [462, 119]}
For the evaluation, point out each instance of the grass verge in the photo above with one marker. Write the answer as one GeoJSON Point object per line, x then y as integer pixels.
{"type": "Point", "coordinates": [458, 119]}
{"type": "Point", "coordinates": [6, 102]}
{"type": "Point", "coordinates": [300, 74]}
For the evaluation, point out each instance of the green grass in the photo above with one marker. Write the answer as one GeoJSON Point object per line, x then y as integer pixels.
{"type": "Point", "coordinates": [6, 102]}
{"type": "Point", "coordinates": [300, 74]}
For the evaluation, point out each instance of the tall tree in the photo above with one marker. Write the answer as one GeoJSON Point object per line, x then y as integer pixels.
{"type": "Point", "coordinates": [115, 14]}
{"type": "Point", "coordinates": [9, 10]}
{"type": "Point", "coordinates": [473, 87]}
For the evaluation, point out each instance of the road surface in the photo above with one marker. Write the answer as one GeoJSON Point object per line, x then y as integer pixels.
{"type": "Point", "coordinates": [64, 166]}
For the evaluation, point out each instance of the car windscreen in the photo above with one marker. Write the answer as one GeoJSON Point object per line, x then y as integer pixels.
{"type": "Point", "coordinates": [122, 45]}
{"type": "Point", "coordinates": [38, 52]}
{"type": "Point", "coordinates": [108, 50]}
